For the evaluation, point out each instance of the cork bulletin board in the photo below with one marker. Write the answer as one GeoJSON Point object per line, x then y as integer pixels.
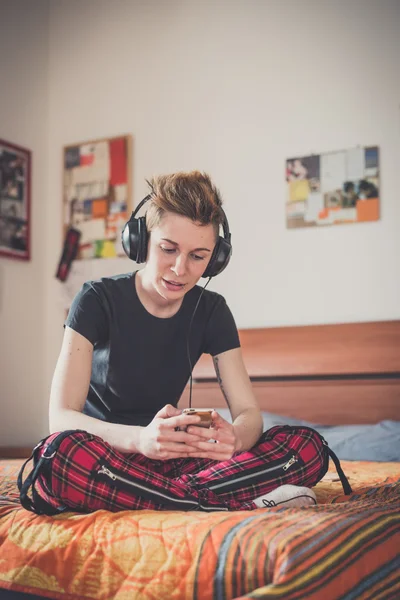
{"type": "Point", "coordinates": [97, 194]}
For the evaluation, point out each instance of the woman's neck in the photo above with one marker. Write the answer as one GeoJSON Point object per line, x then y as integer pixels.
{"type": "Point", "coordinates": [152, 301]}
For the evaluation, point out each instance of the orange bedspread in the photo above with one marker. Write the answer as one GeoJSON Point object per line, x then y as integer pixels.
{"type": "Point", "coordinates": [343, 547]}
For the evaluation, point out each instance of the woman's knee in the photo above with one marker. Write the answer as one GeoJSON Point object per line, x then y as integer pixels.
{"type": "Point", "coordinates": [64, 442]}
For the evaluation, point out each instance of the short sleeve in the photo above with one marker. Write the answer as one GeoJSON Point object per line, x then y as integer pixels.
{"type": "Point", "coordinates": [87, 315]}
{"type": "Point", "coordinates": [221, 332]}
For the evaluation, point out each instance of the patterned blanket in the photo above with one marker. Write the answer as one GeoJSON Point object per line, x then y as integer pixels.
{"type": "Point", "coordinates": [342, 548]}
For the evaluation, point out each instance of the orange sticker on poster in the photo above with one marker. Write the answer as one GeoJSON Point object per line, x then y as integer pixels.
{"type": "Point", "coordinates": [368, 210]}
{"type": "Point", "coordinates": [99, 208]}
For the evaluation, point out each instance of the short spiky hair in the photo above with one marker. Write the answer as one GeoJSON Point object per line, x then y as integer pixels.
{"type": "Point", "coordinates": [191, 195]}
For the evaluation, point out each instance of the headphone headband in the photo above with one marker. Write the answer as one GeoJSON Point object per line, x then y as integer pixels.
{"type": "Point", "coordinates": [135, 238]}
{"type": "Point", "coordinates": [139, 206]}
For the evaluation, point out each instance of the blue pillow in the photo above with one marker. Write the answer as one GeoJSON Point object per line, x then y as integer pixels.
{"type": "Point", "coordinates": [376, 442]}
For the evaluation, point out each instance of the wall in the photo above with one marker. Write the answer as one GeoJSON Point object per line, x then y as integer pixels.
{"type": "Point", "coordinates": [24, 121]}
{"type": "Point", "coordinates": [234, 88]}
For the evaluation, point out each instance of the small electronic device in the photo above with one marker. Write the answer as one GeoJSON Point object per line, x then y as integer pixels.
{"type": "Point", "coordinates": [203, 413]}
{"type": "Point", "coordinates": [69, 253]}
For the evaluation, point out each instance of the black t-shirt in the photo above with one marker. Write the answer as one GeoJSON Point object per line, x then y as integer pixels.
{"type": "Point", "coordinates": [140, 361]}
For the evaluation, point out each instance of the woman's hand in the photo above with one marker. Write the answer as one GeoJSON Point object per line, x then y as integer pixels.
{"type": "Point", "coordinates": [160, 440]}
{"type": "Point", "coordinates": [222, 432]}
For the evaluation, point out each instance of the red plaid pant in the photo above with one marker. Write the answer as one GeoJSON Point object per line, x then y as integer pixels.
{"type": "Point", "coordinates": [87, 474]}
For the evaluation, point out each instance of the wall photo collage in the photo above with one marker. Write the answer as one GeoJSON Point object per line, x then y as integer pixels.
{"type": "Point", "coordinates": [333, 188]}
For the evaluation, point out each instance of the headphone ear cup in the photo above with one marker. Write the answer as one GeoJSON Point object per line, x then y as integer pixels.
{"type": "Point", "coordinates": [143, 239]}
{"type": "Point", "coordinates": [219, 259]}
{"type": "Point", "coordinates": [134, 239]}
{"type": "Point", "coordinates": [209, 272]}
{"type": "Point", "coordinates": [129, 238]}
{"type": "Point", "coordinates": [134, 236]}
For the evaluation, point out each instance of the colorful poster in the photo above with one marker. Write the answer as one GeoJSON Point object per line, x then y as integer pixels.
{"type": "Point", "coordinates": [333, 188]}
{"type": "Point", "coordinates": [97, 194]}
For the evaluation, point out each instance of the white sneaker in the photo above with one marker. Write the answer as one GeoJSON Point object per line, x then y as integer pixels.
{"type": "Point", "coordinates": [287, 495]}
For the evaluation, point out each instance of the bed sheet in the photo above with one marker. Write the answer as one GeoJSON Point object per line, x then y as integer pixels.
{"type": "Point", "coordinates": [345, 547]}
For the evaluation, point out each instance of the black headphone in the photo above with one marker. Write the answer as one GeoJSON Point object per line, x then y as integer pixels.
{"type": "Point", "coordinates": [135, 238]}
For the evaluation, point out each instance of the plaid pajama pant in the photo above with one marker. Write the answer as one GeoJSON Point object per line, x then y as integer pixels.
{"type": "Point", "coordinates": [86, 474]}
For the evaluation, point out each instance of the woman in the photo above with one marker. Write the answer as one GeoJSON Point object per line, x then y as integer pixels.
{"type": "Point", "coordinates": [124, 365]}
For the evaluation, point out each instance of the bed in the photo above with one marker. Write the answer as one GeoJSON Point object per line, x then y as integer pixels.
{"type": "Point", "coordinates": [345, 379]}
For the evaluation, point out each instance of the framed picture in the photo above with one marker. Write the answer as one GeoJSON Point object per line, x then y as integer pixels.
{"type": "Point", "coordinates": [333, 188]}
{"type": "Point", "coordinates": [97, 183]}
{"type": "Point", "coordinates": [15, 201]}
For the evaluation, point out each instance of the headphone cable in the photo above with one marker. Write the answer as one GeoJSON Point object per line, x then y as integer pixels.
{"type": "Point", "coordinates": [187, 342]}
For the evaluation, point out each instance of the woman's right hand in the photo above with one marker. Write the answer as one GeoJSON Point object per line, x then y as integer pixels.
{"type": "Point", "coordinates": [161, 441]}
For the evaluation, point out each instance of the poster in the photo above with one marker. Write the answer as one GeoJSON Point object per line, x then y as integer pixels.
{"type": "Point", "coordinates": [15, 177]}
{"type": "Point", "coordinates": [333, 188]}
{"type": "Point", "coordinates": [97, 194]}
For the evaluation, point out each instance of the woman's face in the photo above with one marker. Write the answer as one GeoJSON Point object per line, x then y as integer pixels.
{"type": "Point", "coordinates": [178, 254]}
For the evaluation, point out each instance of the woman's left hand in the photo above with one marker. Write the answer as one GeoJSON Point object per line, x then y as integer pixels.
{"type": "Point", "coordinates": [222, 432]}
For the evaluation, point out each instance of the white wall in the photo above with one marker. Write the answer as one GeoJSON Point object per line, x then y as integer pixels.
{"type": "Point", "coordinates": [24, 121]}
{"type": "Point", "coordinates": [235, 87]}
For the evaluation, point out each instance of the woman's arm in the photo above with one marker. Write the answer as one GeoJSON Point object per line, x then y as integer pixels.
{"type": "Point", "coordinates": [69, 390]}
{"type": "Point", "coordinates": [68, 394]}
{"type": "Point", "coordinates": [236, 387]}
{"type": "Point", "coordinates": [247, 421]}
